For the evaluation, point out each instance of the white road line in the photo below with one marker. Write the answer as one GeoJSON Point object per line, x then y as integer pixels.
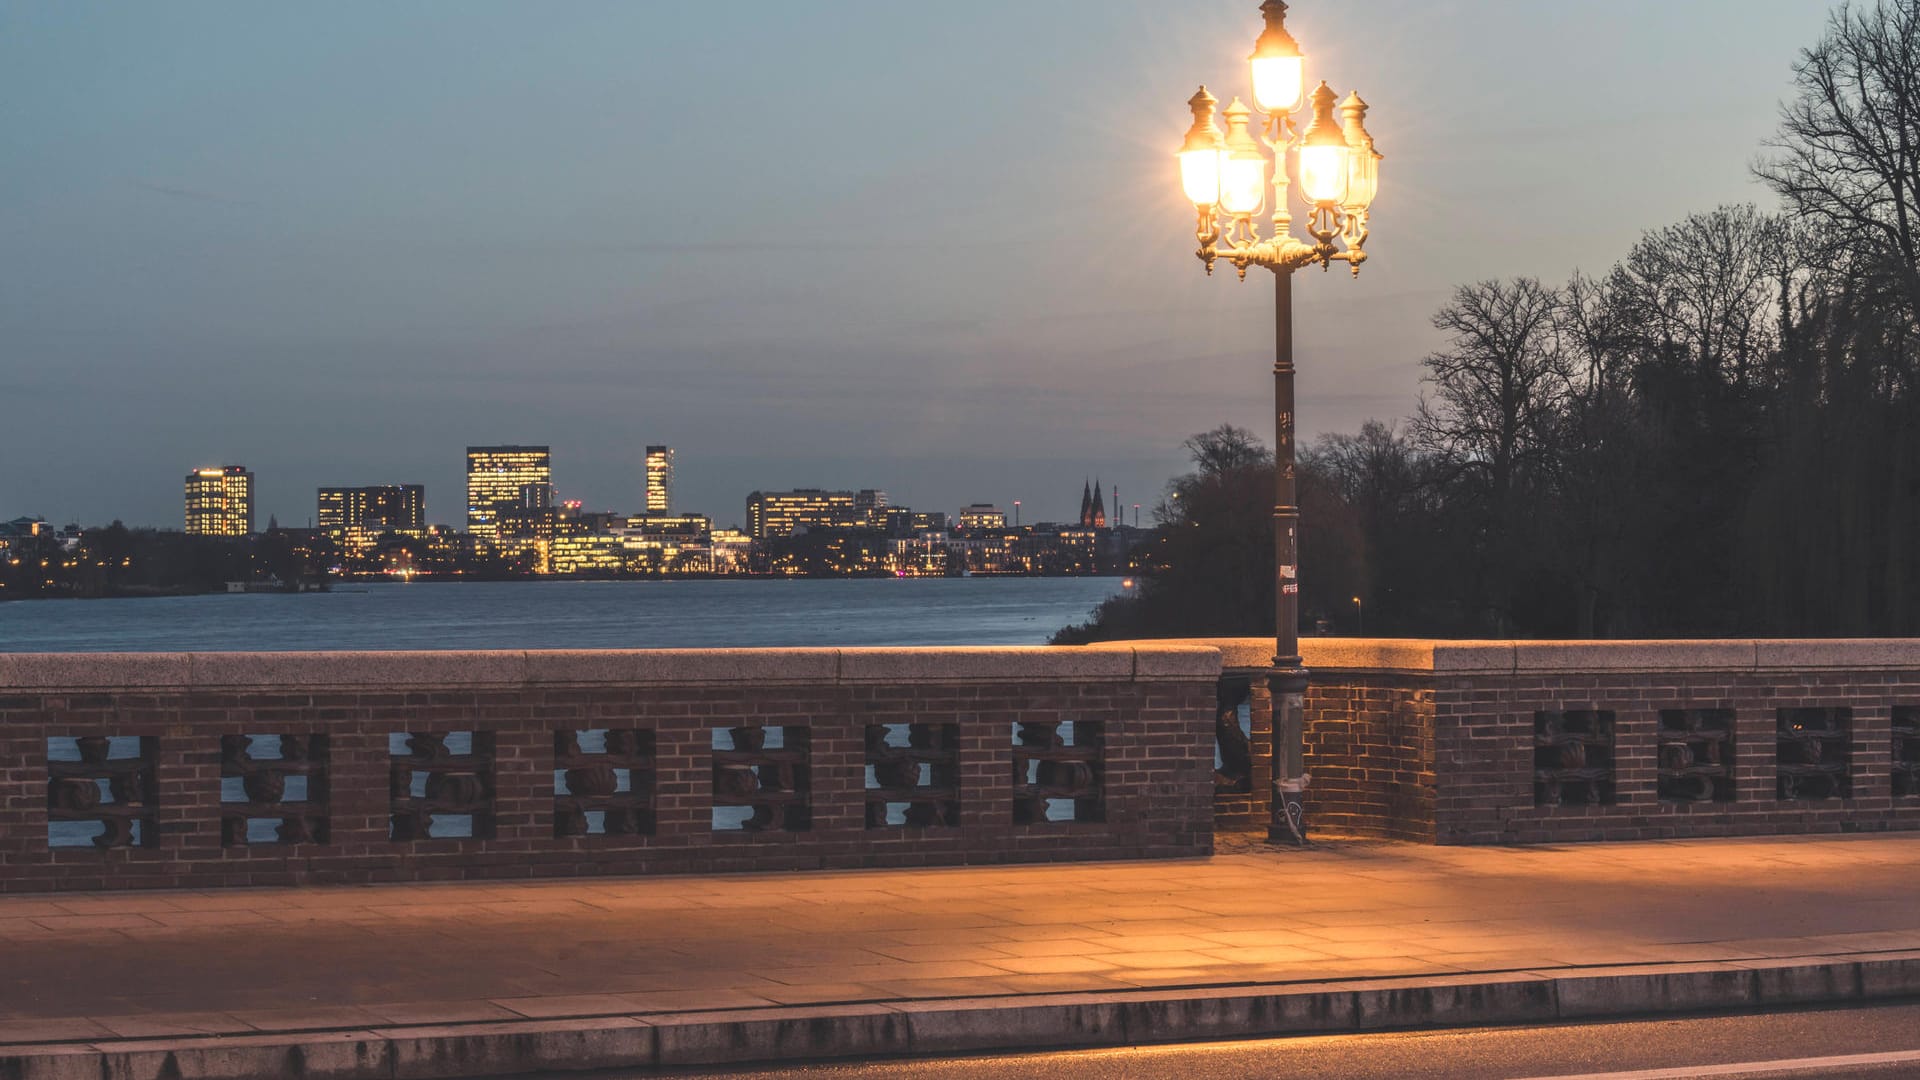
{"type": "Point", "coordinates": [1749, 1068]}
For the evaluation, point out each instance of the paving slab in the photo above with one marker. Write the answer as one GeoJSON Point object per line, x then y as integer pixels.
{"type": "Point", "coordinates": [1693, 924]}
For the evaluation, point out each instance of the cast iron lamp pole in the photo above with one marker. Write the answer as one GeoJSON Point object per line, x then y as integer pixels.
{"type": "Point", "coordinates": [1224, 174]}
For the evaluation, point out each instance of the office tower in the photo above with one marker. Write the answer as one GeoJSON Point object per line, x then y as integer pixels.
{"type": "Point", "coordinates": [983, 516]}
{"type": "Point", "coordinates": [659, 480]}
{"type": "Point", "coordinates": [497, 478]}
{"type": "Point", "coordinates": [355, 517]}
{"type": "Point", "coordinates": [779, 513]}
{"type": "Point", "coordinates": [220, 501]}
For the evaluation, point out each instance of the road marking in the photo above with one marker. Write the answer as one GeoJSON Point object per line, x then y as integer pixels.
{"type": "Point", "coordinates": [1750, 1068]}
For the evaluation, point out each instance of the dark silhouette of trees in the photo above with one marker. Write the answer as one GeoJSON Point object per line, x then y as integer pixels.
{"type": "Point", "coordinates": [1489, 423]}
{"type": "Point", "coordinates": [1213, 558]}
{"type": "Point", "coordinates": [1667, 450]}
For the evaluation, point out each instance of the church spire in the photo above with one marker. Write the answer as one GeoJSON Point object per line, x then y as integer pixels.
{"type": "Point", "coordinates": [1086, 505]}
{"type": "Point", "coordinates": [1099, 507]}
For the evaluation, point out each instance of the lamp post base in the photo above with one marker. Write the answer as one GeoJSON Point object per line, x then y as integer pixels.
{"type": "Point", "coordinates": [1287, 690]}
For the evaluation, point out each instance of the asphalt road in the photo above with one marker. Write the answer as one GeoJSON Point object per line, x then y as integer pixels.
{"type": "Point", "coordinates": [1882, 1041]}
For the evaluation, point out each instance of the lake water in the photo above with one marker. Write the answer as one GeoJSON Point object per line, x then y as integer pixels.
{"type": "Point", "coordinates": [710, 613]}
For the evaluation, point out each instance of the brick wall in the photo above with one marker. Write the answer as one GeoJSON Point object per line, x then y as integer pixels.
{"type": "Point", "coordinates": [1464, 742]}
{"type": "Point", "coordinates": [1486, 737]}
{"type": "Point", "coordinates": [1370, 756]}
{"type": "Point", "coordinates": [1138, 724]}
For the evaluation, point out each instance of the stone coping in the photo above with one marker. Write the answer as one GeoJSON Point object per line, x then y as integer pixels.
{"type": "Point", "coordinates": [1124, 662]}
{"type": "Point", "coordinates": [1553, 657]}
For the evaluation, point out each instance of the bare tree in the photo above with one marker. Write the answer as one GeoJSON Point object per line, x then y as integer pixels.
{"type": "Point", "coordinates": [1848, 150]}
{"type": "Point", "coordinates": [1225, 449]}
{"type": "Point", "coordinates": [1704, 288]}
{"type": "Point", "coordinates": [1499, 384]}
{"type": "Point", "coordinates": [1490, 419]}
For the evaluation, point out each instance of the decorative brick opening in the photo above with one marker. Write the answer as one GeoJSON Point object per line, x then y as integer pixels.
{"type": "Point", "coordinates": [1906, 752]}
{"type": "Point", "coordinates": [913, 775]}
{"type": "Point", "coordinates": [273, 789]}
{"type": "Point", "coordinates": [1696, 755]}
{"type": "Point", "coordinates": [1573, 758]}
{"type": "Point", "coordinates": [1815, 753]}
{"type": "Point", "coordinates": [1233, 736]}
{"type": "Point", "coordinates": [441, 784]}
{"type": "Point", "coordinates": [1058, 773]}
{"type": "Point", "coordinates": [603, 782]}
{"type": "Point", "coordinates": [761, 779]}
{"type": "Point", "coordinates": [101, 791]}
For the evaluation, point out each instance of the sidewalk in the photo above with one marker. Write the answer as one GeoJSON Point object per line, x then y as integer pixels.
{"type": "Point", "coordinates": [107, 973]}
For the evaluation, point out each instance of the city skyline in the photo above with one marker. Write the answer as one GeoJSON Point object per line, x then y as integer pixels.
{"type": "Point", "coordinates": [338, 507]}
{"type": "Point", "coordinates": [452, 249]}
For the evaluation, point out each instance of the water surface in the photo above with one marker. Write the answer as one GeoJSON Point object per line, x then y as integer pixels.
{"type": "Point", "coordinates": [712, 613]}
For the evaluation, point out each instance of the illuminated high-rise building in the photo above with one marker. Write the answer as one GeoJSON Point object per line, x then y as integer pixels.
{"type": "Point", "coordinates": [357, 516]}
{"type": "Point", "coordinates": [982, 516]}
{"type": "Point", "coordinates": [498, 478]}
{"type": "Point", "coordinates": [779, 513]}
{"type": "Point", "coordinates": [220, 501]}
{"type": "Point", "coordinates": [659, 480]}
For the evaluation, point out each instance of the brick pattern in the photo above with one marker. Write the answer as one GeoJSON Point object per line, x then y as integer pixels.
{"type": "Point", "coordinates": [1155, 746]}
{"type": "Point", "coordinates": [1572, 757]}
{"type": "Point", "coordinates": [1483, 729]}
{"type": "Point", "coordinates": [603, 782]}
{"type": "Point", "coordinates": [273, 789]}
{"type": "Point", "coordinates": [1696, 755]}
{"type": "Point", "coordinates": [441, 784]}
{"type": "Point", "coordinates": [1370, 756]}
{"type": "Point", "coordinates": [101, 786]}
{"type": "Point", "coordinates": [1058, 771]}
{"type": "Point", "coordinates": [913, 775]}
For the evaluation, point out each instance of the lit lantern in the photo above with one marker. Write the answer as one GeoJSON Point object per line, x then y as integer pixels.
{"type": "Point", "coordinates": [1243, 170]}
{"type": "Point", "coordinates": [1201, 153]}
{"type": "Point", "coordinates": [1279, 71]}
{"type": "Point", "coordinates": [1324, 154]}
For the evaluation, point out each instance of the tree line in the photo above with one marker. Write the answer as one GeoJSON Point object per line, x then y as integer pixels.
{"type": "Point", "coordinates": [1717, 436]}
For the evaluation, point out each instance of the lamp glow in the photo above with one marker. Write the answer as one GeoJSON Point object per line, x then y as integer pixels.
{"type": "Point", "coordinates": [1324, 154]}
{"type": "Point", "coordinates": [1200, 155]}
{"type": "Point", "coordinates": [1243, 169]}
{"type": "Point", "coordinates": [1278, 81]}
{"type": "Point", "coordinates": [1279, 70]}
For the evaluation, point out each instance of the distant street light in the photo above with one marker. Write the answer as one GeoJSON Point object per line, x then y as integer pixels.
{"type": "Point", "coordinates": [1359, 618]}
{"type": "Point", "coordinates": [1224, 175]}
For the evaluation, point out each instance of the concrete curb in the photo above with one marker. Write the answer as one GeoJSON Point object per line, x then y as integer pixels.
{"type": "Point", "coordinates": [954, 1026]}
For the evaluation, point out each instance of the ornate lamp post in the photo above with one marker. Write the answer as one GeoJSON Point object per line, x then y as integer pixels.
{"type": "Point", "coordinates": [1225, 176]}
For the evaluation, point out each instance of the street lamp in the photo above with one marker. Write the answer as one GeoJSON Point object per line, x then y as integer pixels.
{"type": "Point", "coordinates": [1224, 176]}
{"type": "Point", "coordinates": [1359, 618]}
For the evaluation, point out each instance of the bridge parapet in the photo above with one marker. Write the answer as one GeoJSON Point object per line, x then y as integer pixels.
{"type": "Point", "coordinates": [198, 770]}
{"type": "Point", "coordinates": [1471, 742]}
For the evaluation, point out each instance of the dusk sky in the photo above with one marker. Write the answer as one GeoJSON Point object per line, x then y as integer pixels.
{"type": "Point", "coordinates": [937, 249]}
